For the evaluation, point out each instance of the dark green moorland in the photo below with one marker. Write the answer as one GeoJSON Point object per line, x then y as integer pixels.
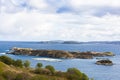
{"type": "Point", "coordinates": [11, 69]}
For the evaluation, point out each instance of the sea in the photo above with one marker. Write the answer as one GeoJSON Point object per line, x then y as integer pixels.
{"type": "Point", "coordinates": [87, 66]}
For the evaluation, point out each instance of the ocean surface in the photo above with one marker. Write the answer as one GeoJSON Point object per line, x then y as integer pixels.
{"type": "Point", "coordinates": [88, 66]}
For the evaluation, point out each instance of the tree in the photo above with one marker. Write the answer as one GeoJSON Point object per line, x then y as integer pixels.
{"type": "Point", "coordinates": [27, 64]}
{"type": "Point", "coordinates": [51, 68]}
{"type": "Point", "coordinates": [39, 65]}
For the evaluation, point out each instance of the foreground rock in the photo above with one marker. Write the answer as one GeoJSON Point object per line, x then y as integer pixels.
{"type": "Point", "coordinates": [106, 62]}
{"type": "Point", "coordinates": [57, 53]}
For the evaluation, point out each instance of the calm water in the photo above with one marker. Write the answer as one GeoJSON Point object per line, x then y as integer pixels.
{"type": "Point", "coordinates": [88, 66]}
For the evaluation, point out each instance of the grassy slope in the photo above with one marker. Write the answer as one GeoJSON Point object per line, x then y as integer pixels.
{"type": "Point", "coordinates": [4, 67]}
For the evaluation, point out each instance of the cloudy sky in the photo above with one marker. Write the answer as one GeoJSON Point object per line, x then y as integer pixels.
{"type": "Point", "coordinates": [78, 20]}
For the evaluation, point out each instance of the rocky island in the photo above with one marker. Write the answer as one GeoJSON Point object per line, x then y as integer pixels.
{"type": "Point", "coordinates": [106, 62]}
{"type": "Point", "coordinates": [57, 53]}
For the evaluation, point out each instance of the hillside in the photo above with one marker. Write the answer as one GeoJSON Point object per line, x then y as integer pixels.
{"type": "Point", "coordinates": [11, 71]}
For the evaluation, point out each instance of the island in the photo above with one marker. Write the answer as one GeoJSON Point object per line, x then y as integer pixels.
{"type": "Point", "coordinates": [106, 62]}
{"type": "Point", "coordinates": [58, 53]}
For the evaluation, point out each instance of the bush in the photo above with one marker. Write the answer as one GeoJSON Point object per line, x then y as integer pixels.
{"type": "Point", "coordinates": [10, 61]}
{"type": "Point", "coordinates": [51, 68]}
{"type": "Point", "coordinates": [42, 71]}
{"type": "Point", "coordinates": [60, 74]}
{"type": "Point", "coordinates": [18, 63]}
{"type": "Point", "coordinates": [27, 64]}
{"type": "Point", "coordinates": [6, 60]}
{"type": "Point", "coordinates": [39, 65]}
{"type": "Point", "coordinates": [75, 74]}
{"type": "Point", "coordinates": [74, 71]}
{"type": "Point", "coordinates": [84, 77]}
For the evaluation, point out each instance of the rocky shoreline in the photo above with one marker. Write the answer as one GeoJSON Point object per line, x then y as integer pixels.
{"type": "Point", "coordinates": [58, 53]}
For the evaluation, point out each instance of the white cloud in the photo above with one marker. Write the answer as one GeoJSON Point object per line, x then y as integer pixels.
{"type": "Point", "coordinates": [95, 7]}
{"type": "Point", "coordinates": [19, 21]}
{"type": "Point", "coordinates": [78, 3]}
{"type": "Point", "coordinates": [85, 7]}
{"type": "Point", "coordinates": [40, 4]}
{"type": "Point", "coordinates": [35, 26]}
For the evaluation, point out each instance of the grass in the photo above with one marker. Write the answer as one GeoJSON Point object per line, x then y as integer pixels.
{"type": "Point", "coordinates": [17, 70]}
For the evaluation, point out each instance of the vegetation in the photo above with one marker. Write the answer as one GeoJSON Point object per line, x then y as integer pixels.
{"type": "Point", "coordinates": [18, 63]}
{"type": "Point", "coordinates": [16, 70]}
{"type": "Point", "coordinates": [26, 64]}
{"type": "Point", "coordinates": [9, 75]}
{"type": "Point", "coordinates": [75, 74]}
{"type": "Point", "coordinates": [39, 65]}
{"type": "Point", "coordinates": [51, 68]}
{"type": "Point", "coordinates": [6, 60]}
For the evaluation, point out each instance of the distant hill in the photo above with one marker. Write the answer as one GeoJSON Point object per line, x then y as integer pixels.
{"type": "Point", "coordinates": [65, 42]}
{"type": "Point", "coordinates": [78, 42]}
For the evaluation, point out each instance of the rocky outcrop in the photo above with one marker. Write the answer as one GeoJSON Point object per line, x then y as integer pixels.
{"type": "Point", "coordinates": [42, 53]}
{"type": "Point", "coordinates": [57, 53]}
{"type": "Point", "coordinates": [106, 62]}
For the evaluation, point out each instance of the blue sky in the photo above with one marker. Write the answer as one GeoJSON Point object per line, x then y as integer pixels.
{"type": "Point", "coordinates": [78, 20]}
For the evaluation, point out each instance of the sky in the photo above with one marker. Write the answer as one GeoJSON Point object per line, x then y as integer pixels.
{"type": "Point", "coordinates": [44, 20]}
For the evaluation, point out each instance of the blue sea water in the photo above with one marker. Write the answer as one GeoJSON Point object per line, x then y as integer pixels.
{"type": "Point", "coordinates": [88, 66]}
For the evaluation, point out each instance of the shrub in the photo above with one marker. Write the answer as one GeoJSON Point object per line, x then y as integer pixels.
{"type": "Point", "coordinates": [27, 64]}
{"type": "Point", "coordinates": [10, 61]}
{"type": "Point", "coordinates": [6, 60]}
{"type": "Point", "coordinates": [60, 74]}
{"type": "Point", "coordinates": [84, 77]}
{"type": "Point", "coordinates": [74, 71]}
{"type": "Point", "coordinates": [18, 63]}
{"type": "Point", "coordinates": [75, 74]}
{"type": "Point", "coordinates": [51, 68]}
{"type": "Point", "coordinates": [42, 71]}
{"type": "Point", "coordinates": [39, 65]}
